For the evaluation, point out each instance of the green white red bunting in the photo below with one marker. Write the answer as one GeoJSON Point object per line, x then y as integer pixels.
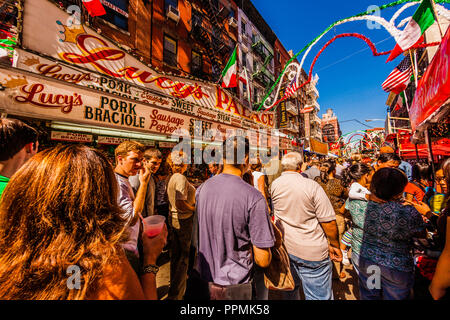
{"type": "Point", "coordinates": [229, 74]}
{"type": "Point", "coordinates": [422, 19]}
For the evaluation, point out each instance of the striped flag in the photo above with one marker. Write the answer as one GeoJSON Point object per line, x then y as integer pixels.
{"type": "Point", "coordinates": [399, 78]}
{"type": "Point", "coordinates": [422, 19]}
{"type": "Point", "coordinates": [229, 74]}
{"type": "Point", "coordinates": [291, 89]}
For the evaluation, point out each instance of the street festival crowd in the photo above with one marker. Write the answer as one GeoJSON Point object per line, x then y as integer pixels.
{"type": "Point", "coordinates": [245, 230]}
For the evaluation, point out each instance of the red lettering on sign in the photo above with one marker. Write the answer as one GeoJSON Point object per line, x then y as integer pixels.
{"type": "Point", "coordinates": [164, 123]}
{"type": "Point", "coordinates": [34, 94]}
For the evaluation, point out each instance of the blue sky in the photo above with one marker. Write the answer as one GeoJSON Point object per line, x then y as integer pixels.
{"type": "Point", "coordinates": [351, 87]}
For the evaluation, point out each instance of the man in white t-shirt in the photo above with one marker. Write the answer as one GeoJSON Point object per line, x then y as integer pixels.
{"type": "Point", "coordinates": [128, 163]}
{"type": "Point", "coordinates": [307, 219]}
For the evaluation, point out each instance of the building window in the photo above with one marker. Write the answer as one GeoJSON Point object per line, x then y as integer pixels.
{"type": "Point", "coordinates": [243, 27]}
{"type": "Point", "coordinates": [116, 13]}
{"type": "Point", "coordinates": [170, 51]}
{"type": "Point", "coordinates": [244, 59]}
{"type": "Point", "coordinates": [278, 56]}
{"type": "Point", "coordinates": [244, 91]}
{"type": "Point", "coordinates": [196, 63]}
{"type": "Point", "coordinates": [173, 3]}
{"type": "Point", "coordinates": [255, 95]}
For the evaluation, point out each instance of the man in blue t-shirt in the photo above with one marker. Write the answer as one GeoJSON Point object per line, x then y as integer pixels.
{"type": "Point", "coordinates": [406, 167]}
{"type": "Point", "coordinates": [234, 228]}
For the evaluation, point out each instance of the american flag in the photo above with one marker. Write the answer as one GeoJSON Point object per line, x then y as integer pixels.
{"type": "Point", "coordinates": [291, 88]}
{"type": "Point", "coordinates": [399, 78]}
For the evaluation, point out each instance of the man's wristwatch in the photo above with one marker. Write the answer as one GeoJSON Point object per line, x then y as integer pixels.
{"type": "Point", "coordinates": [151, 268]}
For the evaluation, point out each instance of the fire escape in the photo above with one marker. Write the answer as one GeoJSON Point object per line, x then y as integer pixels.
{"type": "Point", "coordinates": [261, 74]}
{"type": "Point", "coordinates": [266, 56]}
{"type": "Point", "coordinates": [207, 29]}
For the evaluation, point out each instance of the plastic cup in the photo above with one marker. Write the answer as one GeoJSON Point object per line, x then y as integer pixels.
{"type": "Point", "coordinates": [153, 225]}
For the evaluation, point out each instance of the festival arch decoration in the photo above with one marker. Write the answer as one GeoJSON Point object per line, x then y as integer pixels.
{"type": "Point", "coordinates": [349, 143]}
{"type": "Point", "coordinates": [292, 70]}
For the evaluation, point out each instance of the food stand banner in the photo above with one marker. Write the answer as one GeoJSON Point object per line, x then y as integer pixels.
{"type": "Point", "coordinates": [30, 95]}
{"type": "Point", "coordinates": [61, 37]}
{"type": "Point", "coordinates": [38, 97]}
{"type": "Point", "coordinates": [282, 113]}
{"type": "Point", "coordinates": [434, 87]}
{"type": "Point", "coordinates": [319, 147]}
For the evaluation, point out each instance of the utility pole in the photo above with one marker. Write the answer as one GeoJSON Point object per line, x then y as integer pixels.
{"type": "Point", "coordinates": [389, 120]}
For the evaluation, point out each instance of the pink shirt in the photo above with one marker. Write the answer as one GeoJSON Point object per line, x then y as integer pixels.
{"type": "Point", "coordinates": [300, 205]}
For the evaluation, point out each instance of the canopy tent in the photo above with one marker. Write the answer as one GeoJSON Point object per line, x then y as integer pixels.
{"type": "Point", "coordinates": [440, 148]}
{"type": "Point", "coordinates": [330, 155]}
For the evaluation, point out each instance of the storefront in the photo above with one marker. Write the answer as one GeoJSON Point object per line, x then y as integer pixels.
{"type": "Point", "coordinates": [79, 87]}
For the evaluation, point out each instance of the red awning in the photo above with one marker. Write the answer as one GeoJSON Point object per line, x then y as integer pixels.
{"type": "Point", "coordinates": [433, 90]}
{"type": "Point", "coordinates": [440, 148]}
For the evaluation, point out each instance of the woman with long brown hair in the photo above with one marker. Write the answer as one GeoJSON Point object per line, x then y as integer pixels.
{"type": "Point", "coordinates": [60, 230]}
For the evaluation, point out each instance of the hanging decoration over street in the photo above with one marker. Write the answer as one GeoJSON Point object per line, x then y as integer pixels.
{"type": "Point", "coordinates": [421, 21]}
{"type": "Point", "coordinates": [293, 68]}
{"type": "Point", "coordinates": [294, 88]}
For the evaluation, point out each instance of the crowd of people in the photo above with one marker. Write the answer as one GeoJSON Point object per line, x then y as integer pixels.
{"type": "Point", "coordinates": [68, 206]}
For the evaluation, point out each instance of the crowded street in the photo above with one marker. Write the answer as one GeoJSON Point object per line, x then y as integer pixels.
{"type": "Point", "coordinates": [219, 152]}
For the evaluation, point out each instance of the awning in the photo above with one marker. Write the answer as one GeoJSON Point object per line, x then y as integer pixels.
{"type": "Point", "coordinates": [433, 90]}
{"type": "Point", "coordinates": [331, 155]}
{"type": "Point", "coordinates": [440, 148]}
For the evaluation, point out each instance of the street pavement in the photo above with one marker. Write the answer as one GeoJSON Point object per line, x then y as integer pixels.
{"type": "Point", "coordinates": [343, 289]}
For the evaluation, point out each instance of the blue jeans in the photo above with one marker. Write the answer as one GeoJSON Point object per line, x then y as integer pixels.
{"type": "Point", "coordinates": [261, 291]}
{"type": "Point", "coordinates": [314, 276]}
{"type": "Point", "coordinates": [355, 261]}
{"type": "Point", "coordinates": [393, 284]}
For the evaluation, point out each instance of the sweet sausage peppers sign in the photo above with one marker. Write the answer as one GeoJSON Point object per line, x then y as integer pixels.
{"type": "Point", "coordinates": [80, 46]}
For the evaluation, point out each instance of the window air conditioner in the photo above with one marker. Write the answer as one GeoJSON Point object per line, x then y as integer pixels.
{"type": "Point", "coordinates": [233, 22]}
{"type": "Point", "coordinates": [172, 13]}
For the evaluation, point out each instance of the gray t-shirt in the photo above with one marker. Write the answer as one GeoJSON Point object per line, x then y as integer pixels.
{"type": "Point", "coordinates": [232, 216]}
{"type": "Point", "coordinates": [149, 207]}
{"type": "Point", "coordinates": [312, 172]}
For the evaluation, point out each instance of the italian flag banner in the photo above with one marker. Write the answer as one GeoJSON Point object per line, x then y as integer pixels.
{"type": "Point", "coordinates": [229, 74]}
{"type": "Point", "coordinates": [401, 101]}
{"type": "Point", "coordinates": [412, 34]}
